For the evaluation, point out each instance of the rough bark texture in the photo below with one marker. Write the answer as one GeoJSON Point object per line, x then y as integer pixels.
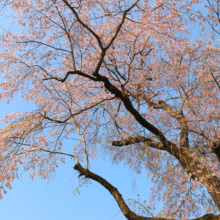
{"type": "Point", "coordinates": [196, 169]}
{"type": "Point", "coordinates": [120, 201]}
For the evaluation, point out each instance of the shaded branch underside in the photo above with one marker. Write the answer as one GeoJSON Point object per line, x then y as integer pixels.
{"type": "Point", "coordinates": [190, 165]}
{"type": "Point", "coordinates": [121, 202]}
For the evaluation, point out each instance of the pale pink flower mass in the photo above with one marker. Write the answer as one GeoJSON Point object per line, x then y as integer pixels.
{"type": "Point", "coordinates": [137, 80]}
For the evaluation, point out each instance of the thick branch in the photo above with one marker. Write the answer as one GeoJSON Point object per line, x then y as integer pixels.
{"type": "Point", "coordinates": [77, 72]}
{"type": "Point", "coordinates": [120, 25]}
{"type": "Point", "coordinates": [121, 202]}
{"type": "Point", "coordinates": [178, 115]}
{"type": "Point", "coordinates": [83, 24]}
{"type": "Point", "coordinates": [216, 149]}
{"type": "Point", "coordinates": [167, 145]}
{"type": "Point", "coordinates": [138, 139]}
{"type": "Point", "coordinates": [189, 164]}
{"type": "Point", "coordinates": [125, 99]}
{"type": "Point", "coordinates": [117, 30]}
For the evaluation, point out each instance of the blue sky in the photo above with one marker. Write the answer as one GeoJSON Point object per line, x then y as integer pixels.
{"type": "Point", "coordinates": [53, 200]}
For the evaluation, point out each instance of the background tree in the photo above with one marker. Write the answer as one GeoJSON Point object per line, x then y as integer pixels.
{"type": "Point", "coordinates": [136, 79]}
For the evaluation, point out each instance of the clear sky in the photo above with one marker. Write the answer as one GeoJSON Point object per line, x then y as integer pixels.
{"type": "Point", "coordinates": [54, 200]}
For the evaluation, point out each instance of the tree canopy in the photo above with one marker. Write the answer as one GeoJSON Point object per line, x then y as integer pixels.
{"type": "Point", "coordinates": [138, 80]}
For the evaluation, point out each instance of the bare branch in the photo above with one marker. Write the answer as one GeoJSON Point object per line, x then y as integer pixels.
{"type": "Point", "coordinates": [84, 143]}
{"type": "Point", "coordinates": [120, 25]}
{"type": "Point", "coordinates": [77, 113]}
{"type": "Point", "coordinates": [178, 115]}
{"type": "Point", "coordinates": [139, 139]}
{"type": "Point", "coordinates": [41, 43]}
{"type": "Point", "coordinates": [121, 202]}
{"type": "Point", "coordinates": [77, 72]}
{"type": "Point", "coordinates": [42, 149]}
{"type": "Point", "coordinates": [215, 80]}
{"type": "Point", "coordinates": [112, 39]}
{"type": "Point", "coordinates": [83, 24]}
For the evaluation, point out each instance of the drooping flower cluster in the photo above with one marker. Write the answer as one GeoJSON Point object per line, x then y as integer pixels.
{"type": "Point", "coordinates": [145, 72]}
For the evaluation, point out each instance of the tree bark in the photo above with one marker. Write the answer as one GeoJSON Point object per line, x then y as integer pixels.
{"type": "Point", "coordinates": [121, 202]}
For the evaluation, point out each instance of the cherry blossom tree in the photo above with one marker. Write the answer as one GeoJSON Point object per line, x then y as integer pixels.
{"type": "Point", "coordinates": [136, 79]}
